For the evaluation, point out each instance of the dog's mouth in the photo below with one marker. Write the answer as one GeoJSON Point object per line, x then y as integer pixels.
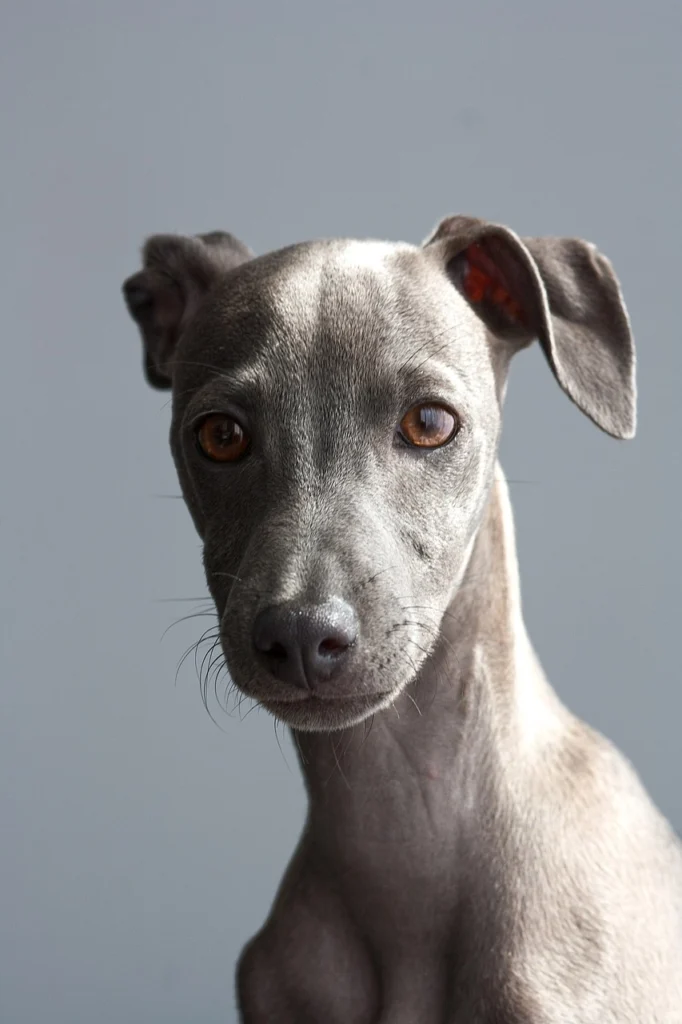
{"type": "Point", "coordinates": [335, 682]}
{"type": "Point", "coordinates": [339, 702]}
{"type": "Point", "coordinates": [310, 712]}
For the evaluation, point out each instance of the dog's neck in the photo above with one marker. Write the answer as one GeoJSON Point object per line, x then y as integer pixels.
{"type": "Point", "coordinates": [414, 780]}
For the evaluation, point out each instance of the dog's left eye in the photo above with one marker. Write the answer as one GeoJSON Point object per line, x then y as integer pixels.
{"type": "Point", "coordinates": [428, 426]}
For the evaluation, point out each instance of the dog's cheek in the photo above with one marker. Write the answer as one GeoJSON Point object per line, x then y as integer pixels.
{"type": "Point", "coordinates": [440, 542]}
{"type": "Point", "coordinates": [221, 558]}
{"type": "Point", "coordinates": [419, 544]}
{"type": "Point", "coordinates": [190, 494]}
{"type": "Point", "coordinates": [434, 526]}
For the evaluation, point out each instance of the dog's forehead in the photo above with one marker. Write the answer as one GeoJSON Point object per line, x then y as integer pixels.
{"type": "Point", "coordinates": [317, 283]}
{"type": "Point", "coordinates": [372, 302]}
{"type": "Point", "coordinates": [306, 271]}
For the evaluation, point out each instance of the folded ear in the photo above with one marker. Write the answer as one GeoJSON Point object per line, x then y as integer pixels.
{"type": "Point", "coordinates": [561, 291]}
{"type": "Point", "coordinates": [177, 273]}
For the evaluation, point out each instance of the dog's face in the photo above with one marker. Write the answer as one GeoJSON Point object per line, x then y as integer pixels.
{"type": "Point", "coordinates": [336, 416]}
{"type": "Point", "coordinates": [362, 389]}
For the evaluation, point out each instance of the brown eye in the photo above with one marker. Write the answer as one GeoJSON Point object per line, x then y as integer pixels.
{"type": "Point", "coordinates": [428, 426]}
{"type": "Point", "coordinates": [222, 439]}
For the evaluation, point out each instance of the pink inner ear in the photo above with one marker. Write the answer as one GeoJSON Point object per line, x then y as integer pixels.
{"type": "Point", "coordinates": [484, 281]}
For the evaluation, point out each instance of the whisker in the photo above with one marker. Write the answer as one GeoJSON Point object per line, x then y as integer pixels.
{"type": "Point", "coordinates": [281, 750]}
{"type": "Point", "coordinates": [376, 575]}
{"type": "Point", "coordinates": [253, 707]}
{"type": "Point", "coordinates": [338, 766]}
{"type": "Point", "coordinates": [185, 618]}
{"type": "Point", "coordinates": [189, 650]}
{"type": "Point", "coordinates": [229, 575]}
{"type": "Point", "coordinates": [368, 730]}
{"type": "Point", "coordinates": [410, 697]}
{"type": "Point", "coordinates": [294, 733]}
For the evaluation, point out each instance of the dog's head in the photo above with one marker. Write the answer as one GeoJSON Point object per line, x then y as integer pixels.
{"type": "Point", "coordinates": [336, 417]}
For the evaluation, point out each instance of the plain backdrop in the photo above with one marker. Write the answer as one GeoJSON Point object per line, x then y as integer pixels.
{"type": "Point", "coordinates": [140, 844]}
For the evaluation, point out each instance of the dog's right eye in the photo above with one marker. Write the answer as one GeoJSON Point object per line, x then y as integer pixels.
{"type": "Point", "coordinates": [222, 439]}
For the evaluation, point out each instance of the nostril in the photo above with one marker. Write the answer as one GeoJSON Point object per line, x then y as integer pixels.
{"type": "Point", "coordinates": [277, 652]}
{"type": "Point", "coordinates": [271, 635]}
{"type": "Point", "coordinates": [332, 646]}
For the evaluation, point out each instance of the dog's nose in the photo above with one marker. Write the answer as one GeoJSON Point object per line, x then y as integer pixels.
{"type": "Point", "coordinates": [305, 646]}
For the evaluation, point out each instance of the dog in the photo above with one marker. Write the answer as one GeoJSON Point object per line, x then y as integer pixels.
{"type": "Point", "coordinates": [473, 853]}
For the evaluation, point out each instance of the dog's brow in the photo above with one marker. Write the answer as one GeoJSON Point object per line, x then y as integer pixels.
{"type": "Point", "coordinates": [436, 377]}
{"type": "Point", "coordinates": [244, 379]}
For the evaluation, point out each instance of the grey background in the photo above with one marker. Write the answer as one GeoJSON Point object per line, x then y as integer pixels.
{"type": "Point", "coordinates": [141, 845]}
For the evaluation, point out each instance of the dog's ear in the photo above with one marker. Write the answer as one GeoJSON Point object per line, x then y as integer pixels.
{"type": "Point", "coordinates": [561, 291]}
{"type": "Point", "coordinates": [177, 272]}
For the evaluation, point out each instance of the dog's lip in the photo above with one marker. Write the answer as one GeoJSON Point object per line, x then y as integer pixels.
{"type": "Point", "coordinates": [317, 700]}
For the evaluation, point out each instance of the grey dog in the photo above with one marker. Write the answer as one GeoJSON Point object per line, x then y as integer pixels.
{"type": "Point", "coordinates": [473, 853]}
